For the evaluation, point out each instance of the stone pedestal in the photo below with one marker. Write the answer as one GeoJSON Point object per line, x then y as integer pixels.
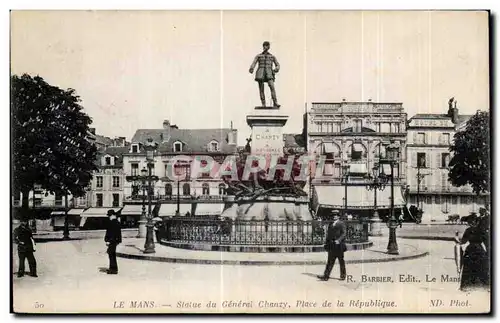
{"type": "Point", "coordinates": [376, 225]}
{"type": "Point", "coordinates": [267, 131]}
{"type": "Point", "coordinates": [142, 228]}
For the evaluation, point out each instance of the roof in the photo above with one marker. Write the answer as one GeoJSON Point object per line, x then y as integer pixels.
{"type": "Point", "coordinates": [103, 140]}
{"type": "Point", "coordinates": [195, 140]}
{"type": "Point", "coordinates": [293, 140]}
{"type": "Point", "coordinates": [430, 116]}
{"type": "Point", "coordinates": [464, 118]}
{"type": "Point", "coordinates": [117, 152]}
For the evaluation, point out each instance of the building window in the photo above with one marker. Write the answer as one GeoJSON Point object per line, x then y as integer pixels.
{"type": "Point", "coordinates": [396, 127]}
{"type": "Point", "coordinates": [446, 138]}
{"type": "Point", "coordinates": [222, 189]}
{"type": "Point", "coordinates": [116, 200]}
{"type": "Point", "coordinates": [107, 161]}
{"type": "Point", "coordinates": [99, 181]}
{"type": "Point", "coordinates": [205, 189]}
{"type": "Point", "coordinates": [428, 199]}
{"type": "Point", "coordinates": [135, 190]}
{"type": "Point", "coordinates": [177, 146]}
{"type": "Point", "coordinates": [213, 146]}
{"type": "Point", "coordinates": [98, 202]}
{"type": "Point", "coordinates": [421, 160]}
{"type": "Point", "coordinates": [420, 138]}
{"type": "Point", "coordinates": [358, 124]}
{"type": "Point", "coordinates": [454, 200]}
{"type": "Point", "coordinates": [152, 168]}
{"type": "Point", "coordinates": [445, 160]}
{"type": "Point", "coordinates": [116, 181]}
{"type": "Point", "coordinates": [186, 189]}
{"type": "Point", "coordinates": [385, 127]}
{"type": "Point", "coordinates": [135, 169]}
{"type": "Point", "coordinates": [135, 148]}
{"type": "Point", "coordinates": [58, 199]}
{"type": "Point", "coordinates": [168, 189]}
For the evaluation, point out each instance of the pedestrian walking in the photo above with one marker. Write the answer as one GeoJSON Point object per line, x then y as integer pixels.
{"type": "Point", "coordinates": [113, 238]}
{"type": "Point", "coordinates": [23, 237]}
{"type": "Point", "coordinates": [474, 264]}
{"type": "Point", "coordinates": [335, 246]}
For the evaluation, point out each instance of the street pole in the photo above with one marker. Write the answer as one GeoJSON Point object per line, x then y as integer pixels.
{"type": "Point", "coordinates": [140, 234]}
{"type": "Point", "coordinates": [418, 185]}
{"type": "Point", "coordinates": [392, 246]}
{"type": "Point", "coordinates": [178, 196]}
{"type": "Point", "coordinates": [66, 220]}
{"type": "Point", "coordinates": [149, 245]}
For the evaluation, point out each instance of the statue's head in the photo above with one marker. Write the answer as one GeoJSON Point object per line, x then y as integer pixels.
{"type": "Point", "coordinates": [266, 45]}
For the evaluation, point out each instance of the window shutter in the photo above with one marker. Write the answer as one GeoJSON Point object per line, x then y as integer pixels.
{"type": "Point", "coordinates": [415, 138]}
{"type": "Point", "coordinates": [414, 159]}
{"type": "Point", "coordinates": [428, 160]}
{"type": "Point", "coordinates": [438, 160]}
{"type": "Point", "coordinates": [443, 204]}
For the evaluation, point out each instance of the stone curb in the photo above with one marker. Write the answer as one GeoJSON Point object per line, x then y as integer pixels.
{"type": "Point", "coordinates": [260, 263]}
{"type": "Point", "coordinates": [428, 238]}
{"type": "Point", "coordinates": [259, 248]}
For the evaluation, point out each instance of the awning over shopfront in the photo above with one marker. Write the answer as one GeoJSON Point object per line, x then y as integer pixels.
{"type": "Point", "coordinates": [209, 208]}
{"type": "Point", "coordinates": [76, 211]}
{"type": "Point", "coordinates": [133, 209]}
{"type": "Point", "coordinates": [358, 168]}
{"type": "Point", "coordinates": [330, 148]}
{"type": "Point", "coordinates": [358, 197]}
{"type": "Point", "coordinates": [171, 209]}
{"type": "Point", "coordinates": [96, 212]}
{"type": "Point", "coordinates": [58, 218]}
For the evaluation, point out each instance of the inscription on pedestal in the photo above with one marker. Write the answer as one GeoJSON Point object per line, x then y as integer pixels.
{"type": "Point", "coordinates": [267, 140]}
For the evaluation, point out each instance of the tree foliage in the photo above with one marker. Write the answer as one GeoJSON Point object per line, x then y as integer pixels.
{"type": "Point", "coordinates": [49, 138]}
{"type": "Point", "coordinates": [470, 163]}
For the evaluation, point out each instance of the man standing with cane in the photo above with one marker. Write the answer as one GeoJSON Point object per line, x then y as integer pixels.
{"type": "Point", "coordinates": [113, 238]}
{"type": "Point", "coordinates": [335, 246]}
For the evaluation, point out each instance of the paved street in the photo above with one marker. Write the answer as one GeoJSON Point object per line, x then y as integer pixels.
{"type": "Point", "coordinates": [70, 280]}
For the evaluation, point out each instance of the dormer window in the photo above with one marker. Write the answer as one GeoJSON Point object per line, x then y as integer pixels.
{"type": "Point", "coordinates": [135, 148]}
{"type": "Point", "coordinates": [178, 146]}
{"type": "Point", "coordinates": [107, 160]}
{"type": "Point", "coordinates": [213, 146]}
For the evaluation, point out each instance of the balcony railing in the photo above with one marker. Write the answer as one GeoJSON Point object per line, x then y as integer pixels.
{"type": "Point", "coordinates": [291, 233]}
{"type": "Point", "coordinates": [181, 197]}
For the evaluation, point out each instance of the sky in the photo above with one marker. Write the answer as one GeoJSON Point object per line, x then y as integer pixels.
{"type": "Point", "coordinates": [134, 69]}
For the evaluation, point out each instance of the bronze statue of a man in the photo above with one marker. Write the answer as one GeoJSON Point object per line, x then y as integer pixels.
{"type": "Point", "coordinates": [265, 73]}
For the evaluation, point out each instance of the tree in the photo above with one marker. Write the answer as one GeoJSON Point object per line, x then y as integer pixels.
{"type": "Point", "coordinates": [49, 139]}
{"type": "Point", "coordinates": [471, 154]}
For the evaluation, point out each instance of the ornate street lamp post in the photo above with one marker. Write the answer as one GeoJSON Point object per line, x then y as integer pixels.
{"type": "Point", "coordinates": [150, 146]}
{"type": "Point", "coordinates": [377, 182]}
{"type": "Point", "coordinates": [345, 179]}
{"type": "Point", "coordinates": [392, 224]}
{"type": "Point", "coordinates": [146, 179]}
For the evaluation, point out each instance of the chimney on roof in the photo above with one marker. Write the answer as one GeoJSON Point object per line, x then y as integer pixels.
{"type": "Point", "coordinates": [92, 131]}
{"type": "Point", "coordinates": [453, 110]}
{"type": "Point", "coordinates": [166, 124]}
{"type": "Point", "coordinates": [232, 137]}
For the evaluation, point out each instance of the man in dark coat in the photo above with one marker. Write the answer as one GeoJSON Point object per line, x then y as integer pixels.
{"type": "Point", "coordinates": [113, 238]}
{"type": "Point", "coordinates": [265, 72]}
{"type": "Point", "coordinates": [23, 236]}
{"type": "Point", "coordinates": [335, 246]}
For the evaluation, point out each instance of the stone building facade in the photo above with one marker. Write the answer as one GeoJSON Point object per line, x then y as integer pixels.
{"type": "Point", "coordinates": [429, 140]}
{"type": "Point", "coordinates": [354, 134]}
{"type": "Point", "coordinates": [198, 196]}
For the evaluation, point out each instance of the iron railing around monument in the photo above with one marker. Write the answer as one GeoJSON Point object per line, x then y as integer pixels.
{"type": "Point", "coordinates": [227, 232]}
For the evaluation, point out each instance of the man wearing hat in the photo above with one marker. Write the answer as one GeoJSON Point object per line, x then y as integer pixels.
{"type": "Point", "coordinates": [265, 72]}
{"type": "Point", "coordinates": [335, 246]}
{"type": "Point", "coordinates": [113, 238]}
{"type": "Point", "coordinates": [23, 236]}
